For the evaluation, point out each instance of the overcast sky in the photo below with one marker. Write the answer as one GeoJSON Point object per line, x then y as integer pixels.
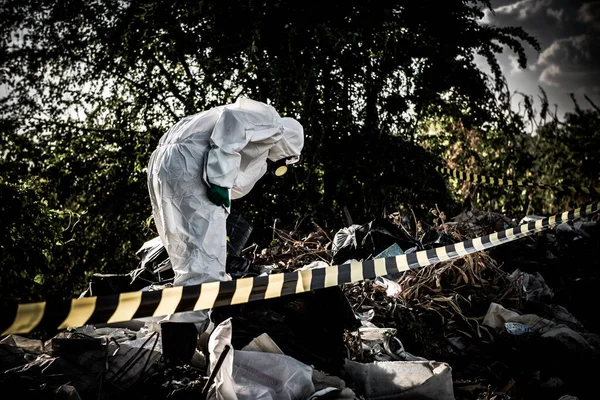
{"type": "Point", "coordinates": [569, 61]}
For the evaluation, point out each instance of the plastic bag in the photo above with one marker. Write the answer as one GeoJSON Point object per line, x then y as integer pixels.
{"type": "Point", "coordinates": [256, 375]}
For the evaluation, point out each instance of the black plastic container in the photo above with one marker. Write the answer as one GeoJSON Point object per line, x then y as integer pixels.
{"type": "Point", "coordinates": [238, 233]}
{"type": "Point", "coordinates": [179, 341]}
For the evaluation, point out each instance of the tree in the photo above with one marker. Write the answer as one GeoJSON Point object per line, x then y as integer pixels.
{"type": "Point", "coordinates": [32, 240]}
{"type": "Point", "coordinates": [566, 153]}
{"type": "Point", "coordinates": [91, 86]}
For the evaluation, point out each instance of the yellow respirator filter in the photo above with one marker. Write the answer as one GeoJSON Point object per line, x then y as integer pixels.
{"type": "Point", "coordinates": [281, 170]}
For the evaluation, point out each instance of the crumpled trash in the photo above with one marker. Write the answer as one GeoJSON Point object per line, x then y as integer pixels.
{"type": "Point", "coordinates": [382, 343]}
{"type": "Point", "coordinates": [559, 337]}
{"type": "Point", "coordinates": [330, 387]}
{"type": "Point", "coordinates": [458, 343]}
{"type": "Point", "coordinates": [552, 383]}
{"type": "Point", "coordinates": [568, 341]}
{"type": "Point", "coordinates": [496, 316]}
{"type": "Point", "coordinates": [534, 286]}
{"type": "Point", "coordinates": [530, 218]}
{"type": "Point", "coordinates": [569, 230]}
{"type": "Point", "coordinates": [369, 332]}
{"type": "Point", "coordinates": [268, 269]}
{"type": "Point", "coordinates": [401, 379]}
{"type": "Point", "coordinates": [589, 227]}
{"type": "Point", "coordinates": [392, 288]}
{"type": "Point", "coordinates": [517, 329]}
{"type": "Point", "coordinates": [435, 238]}
{"type": "Point", "coordinates": [255, 375]}
{"type": "Point", "coordinates": [392, 251]}
{"type": "Point", "coordinates": [17, 351]}
{"type": "Point", "coordinates": [154, 266]}
{"type": "Point", "coordinates": [67, 392]}
{"type": "Point", "coordinates": [238, 267]}
{"type": "Point", "coordinates": [123, 358]}
{"type": "Point", "coordinates": [332, 393]}
{"type": "Point", "coordinates": [109, 284]}
{"type": "Point", "coordinates": [556, 313]}
{"type": "Point", "coordinates": [307, 326]}
{"type": "Point", "coordinates": [313, 265]}
{"type": "Point", "coordinates": [327, 386]}
{"type": "Point", "coordinates": [151, 253]}
{"type": "Point", "coordinates": [481, 222]}
{"type": "Point", "coordinates": [345, 240]}
{"type": "Point", "coordinates": [263, 343]}
{"type": "Point", "coordinates": [27, 345]}
{"type": "Point", "coordinates": [365, 316]}
{"type": "Point", "coordinates": [363, 242]}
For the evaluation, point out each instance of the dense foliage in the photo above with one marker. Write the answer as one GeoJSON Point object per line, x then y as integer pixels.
{"type": "Point", "coordinates": [89, 88]}
{"type": "Point", "coordinates": [560, 152]}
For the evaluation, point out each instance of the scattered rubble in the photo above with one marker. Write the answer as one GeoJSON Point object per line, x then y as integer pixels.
{"type": "Point", "coordinates": [492, 325]}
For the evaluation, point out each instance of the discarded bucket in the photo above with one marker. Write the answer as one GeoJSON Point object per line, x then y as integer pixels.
{"type": "Point", "coordinates": [178, 341]}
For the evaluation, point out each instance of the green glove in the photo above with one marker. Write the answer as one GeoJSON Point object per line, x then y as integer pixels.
{"type": "Point", "coordinates": [219, 195]}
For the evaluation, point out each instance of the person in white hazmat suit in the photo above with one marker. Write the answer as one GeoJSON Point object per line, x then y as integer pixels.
{"type": "Point", "coordinates": [199, 165]}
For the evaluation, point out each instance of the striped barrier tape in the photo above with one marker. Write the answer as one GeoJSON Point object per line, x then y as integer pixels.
{"type": "Point", "coordinates": [469, 177]}
{"type": "Point", "coordinates": [23, 318]}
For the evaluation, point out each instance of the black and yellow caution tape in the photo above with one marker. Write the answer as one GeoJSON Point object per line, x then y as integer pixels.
{"type": "Point", "coordinates": [24, 318]}
{"type": "Point", "coordinates": [469, 177]}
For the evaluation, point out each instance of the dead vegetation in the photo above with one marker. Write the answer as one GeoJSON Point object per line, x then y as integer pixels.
{"type": "Point", "coordinates": [436, 311]}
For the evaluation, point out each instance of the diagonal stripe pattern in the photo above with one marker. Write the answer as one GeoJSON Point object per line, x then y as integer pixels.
{"type": "Point", "coordinates": [469, 177]}
{"type": "Point", "coordinates": [24, 318]}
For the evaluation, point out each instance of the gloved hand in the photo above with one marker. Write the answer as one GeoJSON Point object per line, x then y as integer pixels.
{"type": "Point", "coordinates": [219, 195]}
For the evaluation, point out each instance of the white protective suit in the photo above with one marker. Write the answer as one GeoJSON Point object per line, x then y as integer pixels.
{"type": "Point", "coordinates": [227, 146]}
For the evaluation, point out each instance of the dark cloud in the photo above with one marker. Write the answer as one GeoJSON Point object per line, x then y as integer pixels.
{"type": "Point", "coordinates": [575, 56]}
{"type": "Point", "coordinates": [558, 14]}
{"type": "Point", "coordinates": [569, 35]}
{"type": "Point", "coordinates": [551, 75]}
{"type": "Point", "coordinates": [589, 14]}
{"type": "Point", "coordinates": [524, 9]}
{"type": "Point", "coordinates": [544, 19]}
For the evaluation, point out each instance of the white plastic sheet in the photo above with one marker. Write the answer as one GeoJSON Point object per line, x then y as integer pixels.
{"type": "Point", "coordinates": [246, 375]}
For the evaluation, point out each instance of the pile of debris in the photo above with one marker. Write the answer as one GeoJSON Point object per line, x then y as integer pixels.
{"type": "Point", "coordinates": [492, 325]}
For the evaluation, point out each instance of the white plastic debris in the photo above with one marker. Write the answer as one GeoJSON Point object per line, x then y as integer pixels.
{"type": "Point", "coordinates": [392, 288]}
{"type": "Point", "coordinates": [246, 375]}
{"type": "Point", "coordinates": [517, 329]}
{"type": "Point", "coordinates": [263, 343]}
{"type": "Point", "coordinates": [534, 285]}
{"type": "Point", "coordinates": [402, 379]}
{"type": "Point", "coordinates": [497, 316]}
{"type": "Point", "coordinates": [313, 265]}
